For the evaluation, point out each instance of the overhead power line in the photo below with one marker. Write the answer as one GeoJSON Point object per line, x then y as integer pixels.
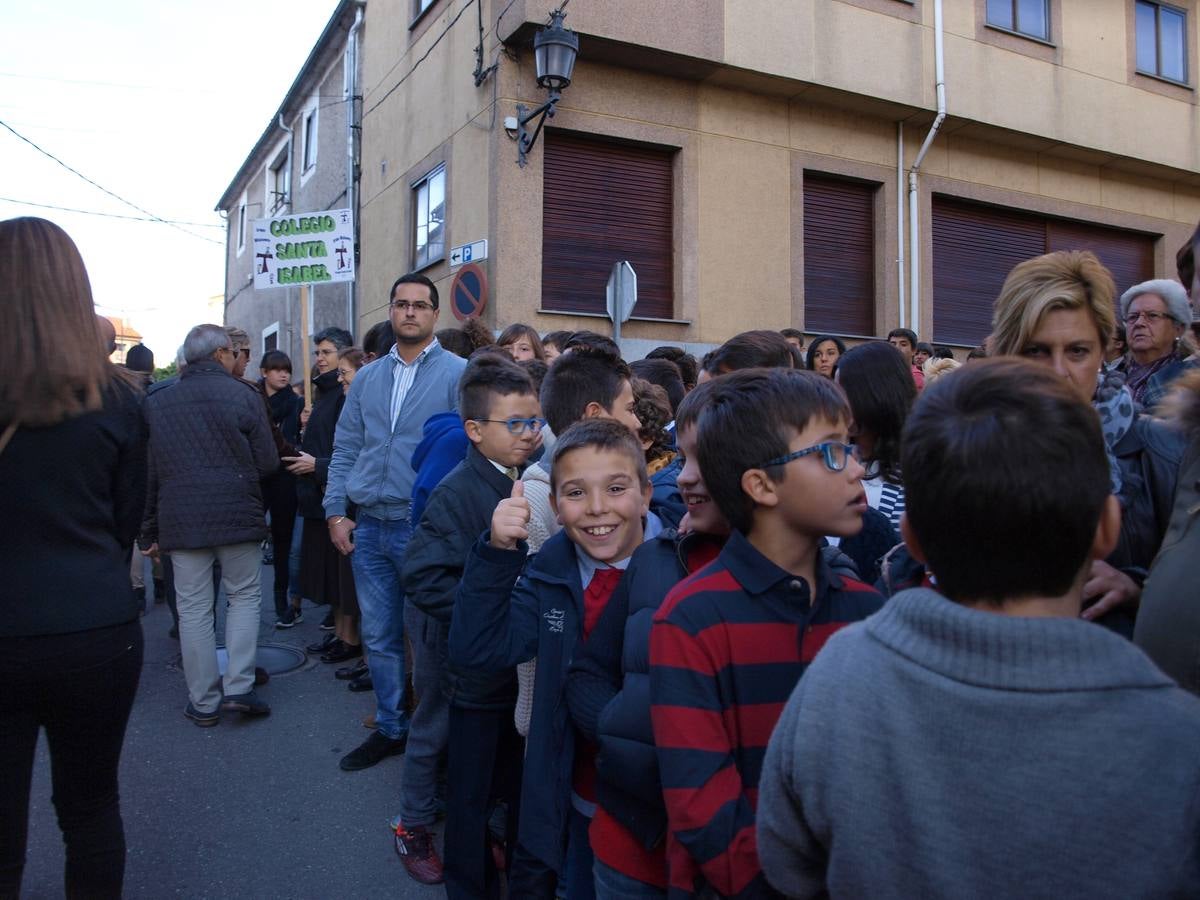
{"type": "Point", "coordinates": [94, 212]}
{"type": "Point", "coordinates": [128, 203]}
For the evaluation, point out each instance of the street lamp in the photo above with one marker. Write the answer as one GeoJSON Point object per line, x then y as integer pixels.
{"type": "Point", "coordinates": [554, 52]}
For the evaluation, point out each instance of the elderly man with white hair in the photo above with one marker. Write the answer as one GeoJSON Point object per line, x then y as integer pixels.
{"type": "Point", "coordinates": [1156, 314]}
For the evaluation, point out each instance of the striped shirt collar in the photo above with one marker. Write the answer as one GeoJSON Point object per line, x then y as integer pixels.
{"type": "Point", "coordinates": [394, 355]}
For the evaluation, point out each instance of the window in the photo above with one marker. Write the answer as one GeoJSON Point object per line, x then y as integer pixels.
{"type": "Point", "coordinates": [310, 139]}
{"type": "Point", "coordinates": [839, 255]}
{"type": "Point", "coordinates": [975, 247]}
{"type": "Point", "coordinates": [1027, 17]}
{"type": "Point", "coordinates": [1161, 40]}
{"type": "Point", "coordinates": [419, 6]}
{"type": "Point", "coordinates": [270, 338]}
{"type": "Point", "coordinates": [279, 183]}
{"type": "Point", "coordinates": [429, 196]}
{"type": "Point", "coordinates": [241, 225]}
{"type": "Point", "coordinates": [604, 202]}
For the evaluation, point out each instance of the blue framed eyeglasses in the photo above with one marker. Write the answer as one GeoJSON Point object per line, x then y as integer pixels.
{"type": "Point", "coordinates": [519, 426]}
{"type": "Point", "coordinates": [835, 455]}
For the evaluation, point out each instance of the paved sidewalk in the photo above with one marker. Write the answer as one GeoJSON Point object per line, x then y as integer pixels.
{"type": "Point", "coordinates": [249, 809]}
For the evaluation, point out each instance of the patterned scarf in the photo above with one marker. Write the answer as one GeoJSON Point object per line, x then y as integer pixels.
{"type": "Point", "coordinates": [1137, 376]}
{"type": "Point", "coordinates": [1114, 403]}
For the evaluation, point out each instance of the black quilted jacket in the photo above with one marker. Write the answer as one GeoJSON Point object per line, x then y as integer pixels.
{"type": "Point", "coordinates": [210, 444]}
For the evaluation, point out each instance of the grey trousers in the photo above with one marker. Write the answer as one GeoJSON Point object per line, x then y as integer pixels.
{"type": "Point", "coordinates": [430, 725]}
{"type": "Point", "coordinates": [241, 577]}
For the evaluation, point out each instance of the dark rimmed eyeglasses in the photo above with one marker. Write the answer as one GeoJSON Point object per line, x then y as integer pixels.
{"type": "Point", "coordinates": [834, 454]}
{"type": "Point", "coordinates": [1152, 318]}
{"type": "Point", "coordinates": [519, 426]}
{"type": "Point", "coordinates": [419, 306]}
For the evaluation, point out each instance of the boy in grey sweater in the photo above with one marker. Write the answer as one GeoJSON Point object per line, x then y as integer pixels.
{"type": "Point", "coordinates": [983, 741]}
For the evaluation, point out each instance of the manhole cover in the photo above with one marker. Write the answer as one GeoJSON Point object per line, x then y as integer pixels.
{"type": "Point", "coordinates": [275, 658]}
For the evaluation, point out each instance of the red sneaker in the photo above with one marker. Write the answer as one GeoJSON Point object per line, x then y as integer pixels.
{"type": "Point", "coordinates": [415, 848]}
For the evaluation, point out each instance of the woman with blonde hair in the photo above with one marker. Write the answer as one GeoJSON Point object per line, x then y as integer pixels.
{"type": "Point", "coordinates": [73, 466]}
{"type": "Point", "coordinates": [1058, 310]}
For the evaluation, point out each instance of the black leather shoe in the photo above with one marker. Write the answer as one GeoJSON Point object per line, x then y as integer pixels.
{"type": "Point", "coordinates": [373, 750]}
{"type": "Point", "coordinates": [342, 652]}
{"type": "Point", "coordinates": [364, 683]}
{"type": "Point", "coordinates": [247, 704]}
{"type": "Point", "coordinates": [349, 673]}
{"type": "Point", "coordinates": [324, 645]}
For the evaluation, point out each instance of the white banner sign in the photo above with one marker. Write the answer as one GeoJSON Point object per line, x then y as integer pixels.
{"type": "Point", "coordinates": [304, 248]}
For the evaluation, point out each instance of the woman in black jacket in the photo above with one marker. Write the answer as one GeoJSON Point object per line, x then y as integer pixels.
{"type": "Point", "coordinates": [73, 466]}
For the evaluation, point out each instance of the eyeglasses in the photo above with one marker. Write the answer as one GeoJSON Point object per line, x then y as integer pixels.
{"type": "Point", "coordinates": [419, 306]}
{"type": "Point", "coordinates": [1152, 318]}
{"type": "Point", "coordinates": [519, 426]}
{"type": "Point", "coordinates": [834, 455]}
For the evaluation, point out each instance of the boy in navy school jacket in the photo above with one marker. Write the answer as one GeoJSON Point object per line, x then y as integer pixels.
{"type": "Point", "coordinates": [601, 494]}
{"type": "Point", "coordinates": [731, 641]}
{"type": "Point", "coordinates": [465, 712]}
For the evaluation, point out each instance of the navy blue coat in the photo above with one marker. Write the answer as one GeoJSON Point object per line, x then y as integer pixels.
{"type": "Point", "coordinates": [503, 616]}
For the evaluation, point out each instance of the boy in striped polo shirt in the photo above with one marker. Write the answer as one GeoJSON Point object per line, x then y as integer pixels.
{"type": "Point", "coordinates": [731, 641]}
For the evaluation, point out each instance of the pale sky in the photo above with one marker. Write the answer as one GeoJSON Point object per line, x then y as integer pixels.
{"type": "Point", "coordinates": [159, 101]}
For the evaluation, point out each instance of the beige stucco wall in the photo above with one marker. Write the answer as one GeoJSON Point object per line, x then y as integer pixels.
{"type": "Point", "coordinates": [741, 154]}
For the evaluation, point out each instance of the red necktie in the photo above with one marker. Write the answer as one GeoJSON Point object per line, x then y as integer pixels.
{"type": "Point", "coordinates": [595, 597]}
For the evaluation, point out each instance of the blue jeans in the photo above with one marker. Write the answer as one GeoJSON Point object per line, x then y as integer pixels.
{"type": "Point", "coordinates": [294, 558]}
{"type": "Point", "coordinates": [378, 560]}
{"type": "Point", "coordinates": [614, 885]}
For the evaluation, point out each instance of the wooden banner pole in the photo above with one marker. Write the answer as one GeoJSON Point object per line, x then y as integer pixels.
{"type": "Point", "coordinates": [304, 346]}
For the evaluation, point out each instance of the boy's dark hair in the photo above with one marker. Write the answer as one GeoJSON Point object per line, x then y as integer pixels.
{"type": "Point", "coordinates": [881, 392]}
{"type": "Point", "coordinates": [1006, 478]}
{"type": "Point", "coordinates": [339, 337]}
{"type": "Point", "coordinates": [536, 370]}
{"type": "Point", "coordinates": [793, 333]}
{"type": "Point", "coordinates": [810, 355]}
{"type": "Point", "coordinates": [593, 341]}
{"type": "Point", "coordinates": [486, 376]}
{"type": "Point", "coordinates": [456, 341]}
{"type": "Point", "coordinates": [906, 333]}
{"type": "Point", "coordinates": [798, 360]}
{"type": "Point", "coordinates": [693, 405]}
{"type": "Point", "coordinates": [557, 338]}
{"type": "Point", "coordinates": [663, 373]}
{"type": "Point", "coordinates": [379, 339]}
{"type": "Point", "coordinates": [979, 352]}
{"type": "Point", "coordinates": [943, 352]}
{"type": "Point", "coordinates": [689, 368]}
{"type": "Point", "coordinates": [585, 375]}
{"type": "Point", "coordinates": [273, 360]}
{"type": "Point", "coordinates": [751, 417]}
{"type": "Point", "coordinates": [600, 434]}
{"type": "Point", "coordinates": [924, 347]}
{"type": "Point", "coordinates": [750, 350]}
{"type": "Point", "coordinates": [413, 278]}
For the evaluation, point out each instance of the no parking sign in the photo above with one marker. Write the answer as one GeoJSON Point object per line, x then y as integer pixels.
{"type": "Point", "coordinates": [468, 292]}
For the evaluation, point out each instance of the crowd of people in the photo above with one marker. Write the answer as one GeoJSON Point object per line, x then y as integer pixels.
{"type": "Point", "coordinates": [796, 618]}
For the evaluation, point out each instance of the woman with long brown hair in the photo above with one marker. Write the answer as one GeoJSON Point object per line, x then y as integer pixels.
{"type": "Point", "coordinates": [73, 464]}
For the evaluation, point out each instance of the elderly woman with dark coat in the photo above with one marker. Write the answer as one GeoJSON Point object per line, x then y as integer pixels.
{"type": "Point", "coordinates": [1156, 315]}
{"type": "Point", "coordinates": [1057, 310]}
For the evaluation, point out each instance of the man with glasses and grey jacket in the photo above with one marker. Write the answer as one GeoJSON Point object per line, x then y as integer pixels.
{"type": "Point", "coordinates": [377, 432]}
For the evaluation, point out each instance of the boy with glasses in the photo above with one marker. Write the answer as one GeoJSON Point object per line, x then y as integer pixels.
{"type": "Point", "coordinates": [730, 642]}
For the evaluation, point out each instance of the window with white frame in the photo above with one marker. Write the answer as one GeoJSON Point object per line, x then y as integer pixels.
{"type": "Point", "coordinates": [241, 225]}
{"type": "Point", "coordinates": [270, 338]}
{"type": "Point", "coordinates": [1030, 18]}
{"type": "Point", "coordinates": [279, 182]}
{"type": "Point", "coordinates": [1161, 40]}
{"type": "Point", "coordinates": [429, 220]}
{"type": "Point", "coordinates": [310, 139]}
{"type": "Point", "coordinates": [419, 6]}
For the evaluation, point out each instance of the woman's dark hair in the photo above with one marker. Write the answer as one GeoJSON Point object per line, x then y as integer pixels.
{"type": "Point", "coordinates": [942, 352]}
{"type": "Point", "coordinates": [518, 330]}
{"type": "Point", "coordinates": [536, 369]}
{"type": "Point", "coordinates": [924, 347]}
{"type": "Point", "coordinates": [881, 392]}
{"type": "Point", "coordinates": [557, 338]}
{"type": "Point", "coordinates": [814, 345]}
{"type": "Point", "coordinates": [275, 359]}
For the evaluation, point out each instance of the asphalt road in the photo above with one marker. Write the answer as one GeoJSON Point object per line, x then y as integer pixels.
{"type": "Point", "coordinates": [248, 809]}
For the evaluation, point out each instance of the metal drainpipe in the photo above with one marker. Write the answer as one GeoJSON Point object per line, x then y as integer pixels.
{"type": "Point", "coordinates": [351, 197]}
{"type": "Point", "coordinates": [900, 220]}
{"type": "Point", "coordinates": [913, 221]}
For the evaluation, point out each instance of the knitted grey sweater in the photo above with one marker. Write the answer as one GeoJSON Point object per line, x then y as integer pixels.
{"type": "Point", "coordinates": [937, 751]}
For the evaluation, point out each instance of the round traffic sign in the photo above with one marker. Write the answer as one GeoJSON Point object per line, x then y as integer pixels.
{"type": "Point", "coordinates": [468, 292]}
